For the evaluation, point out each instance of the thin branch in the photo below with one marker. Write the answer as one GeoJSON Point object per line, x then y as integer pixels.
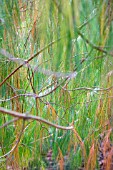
{"type": "Point", "coordinates": [37, 96]}
{"type": "Point", "coordinates": [93, 45]}
{"type": "Point", "coordinates": [20, 95]}
{"type": "Point", "coordinates": [5, 53]}
{"type": "Point", "coordinates": [7, 123]}
{"type": "Point", "coordinates": [25, 63]}
{"type": "Point", "coordinates": [43, 138]}
{"type": "Point", "coordinates": [82, 36]}
{"type": "Point", "coordinates": [37, 68]}
{"type": "Point", "coordinates": [91, 17]}
{"type": "Point", "coordinates": [34, 94]}
{"type": "Point", "coordinates": [16, 144]}
{"type": "Point", "coordinates": [89, 89]}
{"type": "Point", "coordinates": [37, 118]}
{"type": "Point", "coordinates": [53, 89]}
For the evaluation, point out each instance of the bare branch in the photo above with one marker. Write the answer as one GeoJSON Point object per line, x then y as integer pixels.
{"type": "Point", "coordinates": [40, 95]}
{"type": "Point", "coordinates": [37, 118]}
{"type": "Point", "coordinates": [7, 123]}
{"type": "Point", "coordinates": [101, 49]}
{"type": "Point", "coordinates": [16, 144]}
{"type": "Point", "coordinates": [36, 69]}
{"type": "Point", "coordinates": [96, 89]}
{"type": "Point", "coordinates": [26, 64]}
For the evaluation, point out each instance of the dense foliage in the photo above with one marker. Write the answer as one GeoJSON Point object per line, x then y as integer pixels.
{"type": "Point", "coordinates": [56, 72]}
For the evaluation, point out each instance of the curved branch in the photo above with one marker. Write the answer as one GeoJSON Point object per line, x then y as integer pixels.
{"type": "Point", "coordinates": [16, 143]}
{"type": "Point", "coordinates": [37, 118]}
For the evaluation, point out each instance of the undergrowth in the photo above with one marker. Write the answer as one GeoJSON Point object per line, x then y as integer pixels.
{"type": "Point", "coordinates": [56, 64]}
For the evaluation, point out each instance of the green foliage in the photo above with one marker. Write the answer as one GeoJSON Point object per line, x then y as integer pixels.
{"type": "Point", "coordinates": [65, 37]}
